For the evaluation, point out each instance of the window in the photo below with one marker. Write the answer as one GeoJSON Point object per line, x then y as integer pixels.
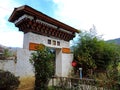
{"type": "Point", "coordinates": [58, 43]}
{"type": "Point", "coordinates": [49, 41]}
{"type": "Point", "coordinates": [54, 42]}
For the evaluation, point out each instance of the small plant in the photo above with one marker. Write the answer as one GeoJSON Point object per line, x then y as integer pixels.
{"type": "Point", "coordinates": [6, 53]}
{"type": "Point", "coordinates": [8, 81]}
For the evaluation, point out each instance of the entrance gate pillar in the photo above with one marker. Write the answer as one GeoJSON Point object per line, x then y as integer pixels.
{"type": "Point", "coordinates": [39, 28]}
{"type": "Point", "coordinates": [63, 63]}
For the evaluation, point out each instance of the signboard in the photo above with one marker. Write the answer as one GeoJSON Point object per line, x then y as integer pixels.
{"type": "Point", "coordinates": [65, 50]}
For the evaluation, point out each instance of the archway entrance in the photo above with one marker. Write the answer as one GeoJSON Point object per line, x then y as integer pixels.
{"type": "Point", "coordinates": [39, 28]}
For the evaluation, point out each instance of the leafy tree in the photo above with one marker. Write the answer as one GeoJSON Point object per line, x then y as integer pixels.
{"type": "Point", "coordinates": [42, 61]}
{"type": "Point", "coordinates": [91, 52]}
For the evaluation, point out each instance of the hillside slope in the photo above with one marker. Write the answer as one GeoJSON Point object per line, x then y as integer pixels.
{"type": "Point", "coordinates": [117, 41]}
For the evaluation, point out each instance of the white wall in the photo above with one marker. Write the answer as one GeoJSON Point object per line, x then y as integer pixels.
{"type": "Point", "coordinates": [35, 38]}
{"type": "Point", "coordinates": [22, 66]}
{"type": "Point", "coordinates": [58, 62]}
{"type": "Point", "coordinates": [63, 63]}
{"type": "Point", "coordinates": [8, 65]}
{"type": "Point", "coordinates": [66, 64]}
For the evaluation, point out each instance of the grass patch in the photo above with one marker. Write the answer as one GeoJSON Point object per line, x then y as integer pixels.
{"type": "Point", "coordinates": [27, 83]}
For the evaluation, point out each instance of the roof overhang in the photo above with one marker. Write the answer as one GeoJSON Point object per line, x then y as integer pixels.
{"type": "Point", "coordinates": [18, 12]}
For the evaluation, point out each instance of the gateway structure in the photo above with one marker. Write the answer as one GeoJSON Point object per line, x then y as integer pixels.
{"type": "Point", "coordinates": [38, 29]}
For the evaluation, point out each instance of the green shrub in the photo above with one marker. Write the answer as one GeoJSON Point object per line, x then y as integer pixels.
{"type": "Point", "coordinates": [42, 61]}
{"type": "Point", "coordinates": [8, 81]}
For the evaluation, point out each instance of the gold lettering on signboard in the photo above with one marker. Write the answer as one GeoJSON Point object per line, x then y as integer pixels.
{"type": "Point", "coordinates": [35, 46]}
{"type": "Point", "coordinates": [65, 50]}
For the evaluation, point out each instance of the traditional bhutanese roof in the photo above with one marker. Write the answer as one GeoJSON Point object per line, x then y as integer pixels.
{"type": "Point", "coordinates": [27, 10]}
{"type": "Point", "coordinates": [30, 11]}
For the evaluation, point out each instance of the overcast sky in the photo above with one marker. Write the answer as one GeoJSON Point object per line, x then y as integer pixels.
{"type": "Point", "coordinates": [80, 14]}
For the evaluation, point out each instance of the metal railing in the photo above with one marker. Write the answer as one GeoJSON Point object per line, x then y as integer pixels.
{"type": "Point", "coordinates": [69, 83]}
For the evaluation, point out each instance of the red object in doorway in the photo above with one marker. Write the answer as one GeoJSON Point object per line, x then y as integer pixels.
{"type": "Point", "coordinates": [74, 64]}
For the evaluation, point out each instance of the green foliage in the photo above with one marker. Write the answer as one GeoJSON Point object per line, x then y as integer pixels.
{"type": "Point", "coordinates": [42, 61]}
{"type": "Point", "coordinates": [8, 81]}
{"type": "Point", "coordinates": [91, 52]}
{"type": "Point", "coordinates": [94, 52]}
{"type": "Point", "coordinates": [6, 53]}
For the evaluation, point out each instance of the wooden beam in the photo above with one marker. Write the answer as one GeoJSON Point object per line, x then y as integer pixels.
{"type": "Point", "coordinates": [28, 25]}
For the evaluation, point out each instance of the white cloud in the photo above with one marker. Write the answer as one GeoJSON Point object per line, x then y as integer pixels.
{"type": "Point", "coordinates": [9, 35]}
{"type": "Point", "coordinates": [104, 14]}
{"type": "Point", "coordinates": [6, 8]}
{"type": "Point", "coordinates": [12, 38]}
{"type": "Point", "coordinates": [81, 14]}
